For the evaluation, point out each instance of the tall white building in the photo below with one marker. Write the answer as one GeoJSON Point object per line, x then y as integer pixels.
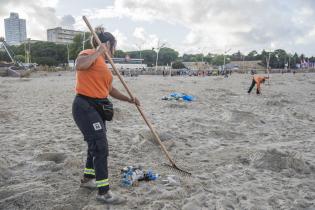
{"type": "Point", "coordinates": [61, 36]}
{"type": "Point", "coordinates": [15, 29]}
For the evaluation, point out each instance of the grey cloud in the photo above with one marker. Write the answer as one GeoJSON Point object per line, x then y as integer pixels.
{"type": "Point", "coordinates": [247, 22]}
{"type": "Point", "coordinates": [5, 3]}
{"type": "Point", "coordinates": [67, 21]}
{"type": "Point", "coordinates": [39, 18]}
{"type": "Point", "coordinates": [34, 10]}
{"type": "Point", "coordinates": [45, 16]}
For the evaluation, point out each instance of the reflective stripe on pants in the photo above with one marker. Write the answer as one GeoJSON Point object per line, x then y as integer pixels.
{"type": "Point", "coordinates": [102, 183]}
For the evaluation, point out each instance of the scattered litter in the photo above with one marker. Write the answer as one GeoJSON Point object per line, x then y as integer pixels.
{"type": "Point", "coordinates": [179, 97]}
{"type": "Point", "coordinates": [132, 175]}
{"type": "Point", "coordinates": [171, 180]}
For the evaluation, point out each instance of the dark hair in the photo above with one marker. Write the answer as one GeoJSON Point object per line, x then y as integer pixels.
{"type": "Point", "coordinates": [104, 37]}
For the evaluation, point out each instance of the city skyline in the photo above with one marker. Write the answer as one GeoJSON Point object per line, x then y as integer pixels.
{"type": "Point", "coordinates": [187, 26]}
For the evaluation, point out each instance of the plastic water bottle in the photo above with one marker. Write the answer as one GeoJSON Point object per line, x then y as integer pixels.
{"type": "Point", "coordinates": [126, 174]}
{"type": "Point", "coordinates": [150, 176]}
{"type": "Point", "coordinates": [137, 174]}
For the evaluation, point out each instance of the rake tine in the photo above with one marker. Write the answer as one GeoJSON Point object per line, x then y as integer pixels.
{"type": "Point", "coordinates": [178, 170]}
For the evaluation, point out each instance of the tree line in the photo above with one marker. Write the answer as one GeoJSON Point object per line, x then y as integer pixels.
{"type": "Point", "coordinates": [52, 54]}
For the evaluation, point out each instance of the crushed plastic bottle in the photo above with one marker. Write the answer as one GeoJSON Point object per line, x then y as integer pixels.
{"type": "Point", "coordinates": [126, 177]}
{"type": "Point", "coordinates": [150, 176]}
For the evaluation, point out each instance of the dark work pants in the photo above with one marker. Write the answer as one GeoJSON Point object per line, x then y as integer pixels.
{"type": "Point", "coordinates": [93, 129]}
{"type": "Point", "coordinates": [252, 86]}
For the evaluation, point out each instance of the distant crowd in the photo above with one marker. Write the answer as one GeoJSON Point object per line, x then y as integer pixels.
{"type": "Point", "coordinates": [203, 73]}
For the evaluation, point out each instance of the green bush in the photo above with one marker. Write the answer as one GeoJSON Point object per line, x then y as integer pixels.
{"type": "Point", "coordinates": [178, 65]}
{"type": "Point", "coordinates": [46, 61]}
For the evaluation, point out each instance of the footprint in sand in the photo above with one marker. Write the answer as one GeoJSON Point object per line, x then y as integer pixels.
{"type": "Point", "coordinates": [178, 105]}
{"type": "Point", "coordinates": [5, 172]}
{"type": "Point", "coordinates": [277, 161]}
{"type": "Point", "coordinates": [121, 114]}
{"type": "Point", "coordinates": [279, 103]}
{"type": "Point", "coordinates": [226, 135]}
{"type": "Point", "coordinates": [303, 116]}
{"type": "Point", "coordinates": [56, 157]}
{"type": "Point", "coordinates": [243, 116]}
{"type": "Point", "coordinates": [5, 115]}
{"type": "Point", "coordinates": [146, 136]}
{"type": "Point", "coordinates": [2, 96]}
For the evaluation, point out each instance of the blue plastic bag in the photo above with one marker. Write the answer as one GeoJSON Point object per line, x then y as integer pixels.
{"type": "Point", "coordinates": [177, 96]}
{"type": "Point", "coordinates": [188, 98]}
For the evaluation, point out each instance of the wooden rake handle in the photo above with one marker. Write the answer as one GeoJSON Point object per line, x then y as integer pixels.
{"type": "Point", "coordinates": [129, 92]}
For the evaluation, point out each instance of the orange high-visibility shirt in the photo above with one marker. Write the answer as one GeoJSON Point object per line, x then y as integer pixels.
{"type": "Point", "coordinates": [259, 80]}
{"type": "Point", "coordinates": [96, 81]}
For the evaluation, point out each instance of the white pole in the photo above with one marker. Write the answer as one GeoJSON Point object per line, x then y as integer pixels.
{"type": "Point", "coordinates": [25, 58]}
{"type": "Point", "coordinates": [139, 48]}
{"type": "Point", "coordinates": [289, 62]}
{"type": "Point", "coordinates": [268, 64]}
{"type": "Point", "coordinates": [156, 61]}
{"type": "Point", "coordinates": [68, 53]}
{"type": "Point", "coordinates": [244, 64]}
{"type": "Point", "coordinates": [29, 51]}
{"type": "Point", "coordinates": [83, 40]}
{"type": "Point", "coordinates": [226, 51]}
{"type": "Point", "coordinates": [224, 64]}
{"type": "Point", "coordinates": [140, 54]}
{"type": "Point", "coordinates": [6, 49]}
{"type": "Point", "coordinates": [171, 68]}
{"type": "Point", "coordinates": [157, 54]}
{"type": "Point", "coordinates": [140, 57]}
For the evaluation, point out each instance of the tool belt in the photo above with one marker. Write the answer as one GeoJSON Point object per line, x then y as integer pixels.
{"type": "Point", "coordinates": [103, 106]}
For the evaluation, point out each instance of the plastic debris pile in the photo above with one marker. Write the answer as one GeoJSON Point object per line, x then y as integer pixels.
{"type": "Point", "coordinates": [179, 97]}
{"type": "Point", "coordinates": [132, 175]}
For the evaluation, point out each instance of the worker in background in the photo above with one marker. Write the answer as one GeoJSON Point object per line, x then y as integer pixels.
{"type": "Point", "coordinates": [257, 80]}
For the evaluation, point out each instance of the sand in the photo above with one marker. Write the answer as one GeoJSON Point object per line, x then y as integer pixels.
{"type": "Point", "coordinates": [244, 151]}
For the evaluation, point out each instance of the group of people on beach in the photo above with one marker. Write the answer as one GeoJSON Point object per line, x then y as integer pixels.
{"type": "Point", "coordinates": [187, 72]}
{"type": "Point", "coordinates": [91, 109]}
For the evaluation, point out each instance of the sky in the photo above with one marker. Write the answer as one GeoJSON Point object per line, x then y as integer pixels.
{"type": "Point", "coordinates": [188, 26]}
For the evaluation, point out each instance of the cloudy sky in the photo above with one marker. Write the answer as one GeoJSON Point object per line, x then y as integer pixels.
{"type": "Point", "coordinates": [186, 25]}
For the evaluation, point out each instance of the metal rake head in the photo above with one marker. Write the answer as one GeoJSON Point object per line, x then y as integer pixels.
{"type": "Point", "coordinates": [177, 170]}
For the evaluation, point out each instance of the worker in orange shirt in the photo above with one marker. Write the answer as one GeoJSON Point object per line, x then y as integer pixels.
{"type": "Point", "coordinates": [257, 80]}
{"type": "Point", "coordinates": [92, 108]}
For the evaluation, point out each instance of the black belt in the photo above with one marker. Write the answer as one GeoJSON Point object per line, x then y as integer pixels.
{"type": "Point", "coordinates": [102, 105]}
{"type": "Point", "coordinates": [92, 99]}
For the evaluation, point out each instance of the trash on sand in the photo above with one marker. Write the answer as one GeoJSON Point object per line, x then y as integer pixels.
{"type": "Point", "coordinates": [132, 175]}
{"type": "Point", "coordinates": [179, 97]}
{"type": "Point", "coordinates": [171, 180]}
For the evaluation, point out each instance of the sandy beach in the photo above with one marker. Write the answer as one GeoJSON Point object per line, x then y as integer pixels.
{"type": "Point", "coordinates": [244, 151]}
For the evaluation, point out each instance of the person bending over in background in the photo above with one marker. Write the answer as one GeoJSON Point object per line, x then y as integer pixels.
{"type": "Point", "coordinates": [257, 80]}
